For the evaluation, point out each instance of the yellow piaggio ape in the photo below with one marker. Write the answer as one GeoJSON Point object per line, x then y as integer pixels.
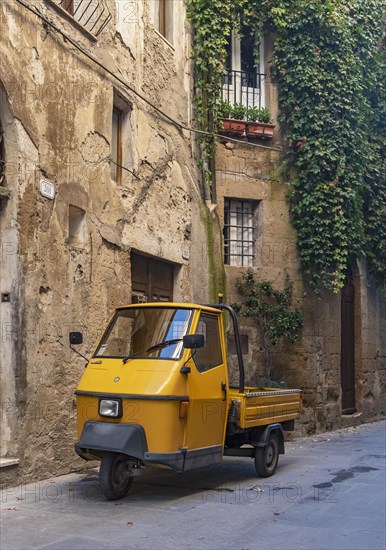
{"type": "Point", "coordinates": [156, 392]}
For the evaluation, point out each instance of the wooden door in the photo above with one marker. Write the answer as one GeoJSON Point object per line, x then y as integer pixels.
{"type": "Point", "coordinates": [152, 280]}
{"type": "Point", "coordinates": [347, 349]}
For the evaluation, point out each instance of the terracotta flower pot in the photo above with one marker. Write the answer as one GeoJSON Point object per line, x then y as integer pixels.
{"type": "Point", "coordinates": [259, 129]}
{"type": "Point", "coordinates": [232, 126]}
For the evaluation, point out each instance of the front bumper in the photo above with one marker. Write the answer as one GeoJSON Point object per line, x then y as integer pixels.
{"type": "Point", "coordinates": [130, 439]}
{"type": "Point", "coordinates": [100, 437]}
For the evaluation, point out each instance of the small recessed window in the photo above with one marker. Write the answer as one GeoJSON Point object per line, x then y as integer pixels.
{"type": "Point", "coordinates": [116, 145]}
{"type": "Point", "coordinates": [244, 344]}
{"type": "Point", "coordinates": [164, 19]}
{"type": "Point", "coordinates": [76, 224]}
{"type": "Point", "coordinates": [121, 164]}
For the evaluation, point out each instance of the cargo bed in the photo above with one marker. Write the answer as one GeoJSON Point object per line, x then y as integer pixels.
{"type": "Point", "coordinates": [262, 406]}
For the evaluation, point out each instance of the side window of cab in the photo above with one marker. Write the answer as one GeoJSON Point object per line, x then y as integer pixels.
{"type": "Point", "coordinates": [210, 355]}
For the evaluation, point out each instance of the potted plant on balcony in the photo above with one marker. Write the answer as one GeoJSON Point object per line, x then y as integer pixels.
{"type": "Point", "coordinates": [259, 123]}
{"type": "Point", "coordinates": [232, 118]}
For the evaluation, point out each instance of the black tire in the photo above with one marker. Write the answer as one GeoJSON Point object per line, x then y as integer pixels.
{"type": "Point", "coordinates": [267, 458]}
{"type": "Point", "coordinates": [115, 477]}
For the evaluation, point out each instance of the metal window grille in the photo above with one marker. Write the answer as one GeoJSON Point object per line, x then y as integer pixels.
{"type": "Point", "coordinates": [93, 15]}
{"type": "Point", "coordinates": [243, 87]}
{"type": "Point", "coordinates": [239, 232]}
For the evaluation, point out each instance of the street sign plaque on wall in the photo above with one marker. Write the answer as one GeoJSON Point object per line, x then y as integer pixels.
{"type": "Point", "coordinates": [47, 189]}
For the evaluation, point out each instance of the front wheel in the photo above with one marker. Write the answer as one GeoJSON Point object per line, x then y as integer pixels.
{"type": "Point", "coordinates": [115, 476]}
{"type": "Point", "coordinates": [267, 457]}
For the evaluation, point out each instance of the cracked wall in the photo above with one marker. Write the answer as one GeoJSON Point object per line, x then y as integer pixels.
{"type": "Point", "coordinates": [60, 111]}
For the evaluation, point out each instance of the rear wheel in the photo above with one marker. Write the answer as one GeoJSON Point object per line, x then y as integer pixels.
{"type": "Point", "coordinates": [267, 457]}
{"type": "Point", "coordinates": [115, 476]}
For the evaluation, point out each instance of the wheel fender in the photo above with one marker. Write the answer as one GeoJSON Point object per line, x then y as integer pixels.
{"type": "Point", "coordinates": [99, 437]}
{"type": "Point", "coordinates": [265, 435]}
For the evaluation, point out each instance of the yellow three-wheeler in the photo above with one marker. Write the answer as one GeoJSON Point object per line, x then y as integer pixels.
{"type": "Point", "coordinates": [156, 392]}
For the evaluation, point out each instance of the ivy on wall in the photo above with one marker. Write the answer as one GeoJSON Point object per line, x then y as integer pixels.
{"type": "Point", "coordinates": [272, 310]}
{"type": "Point", "coordinates": [329, 64]}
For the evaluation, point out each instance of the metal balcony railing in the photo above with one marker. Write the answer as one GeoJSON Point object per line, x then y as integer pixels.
{"type": "Point", "coordinates": [93, 15]}
{"type": "Point", "coordinates": [243, 87]}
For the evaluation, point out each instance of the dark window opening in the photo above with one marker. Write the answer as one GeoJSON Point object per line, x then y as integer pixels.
{"type": "Point", "coordinates": [244, 343]}
{"type": "Point", "coordinates": [165, 19]}
{"type": "Point", "coordinates": [116, 145]}
{"type": "Point", "coordinates": [243, 71]}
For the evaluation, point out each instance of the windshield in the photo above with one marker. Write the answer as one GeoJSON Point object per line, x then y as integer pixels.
{"type": "Point", "coordinates": [134, 331]}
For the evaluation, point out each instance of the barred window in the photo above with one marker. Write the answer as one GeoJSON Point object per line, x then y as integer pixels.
{"type": "Point", "coordinates": [239, 232]}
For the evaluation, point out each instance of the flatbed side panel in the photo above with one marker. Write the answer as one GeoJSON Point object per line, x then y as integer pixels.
{"type": "Point", "coordinates": [266, 406]}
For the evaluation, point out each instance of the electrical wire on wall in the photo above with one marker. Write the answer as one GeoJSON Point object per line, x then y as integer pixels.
{"type": "Point", "coordinates": [127, 86]}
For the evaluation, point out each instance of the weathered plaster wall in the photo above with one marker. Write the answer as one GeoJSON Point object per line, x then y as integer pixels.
{"type": "Point", "coordinates": [61, 114]}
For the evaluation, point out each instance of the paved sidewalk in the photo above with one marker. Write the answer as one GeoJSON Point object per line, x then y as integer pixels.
{"type": "Point", "coordinates": [328, 493]}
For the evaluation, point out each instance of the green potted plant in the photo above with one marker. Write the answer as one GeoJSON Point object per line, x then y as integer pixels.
{"type": "Point", "coordinates": [239, 111]}
{"type": "Point", "coordinates": [232, 118]}
{"type": "Point", "coordinates": [259, 123]}
{"type": "Point", "coordinates": [225, 109]}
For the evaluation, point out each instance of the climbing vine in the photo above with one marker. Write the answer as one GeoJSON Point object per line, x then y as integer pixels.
{"type": "Point", "coordinates": [329, 64]}
{"type": "Point", "coordinates": [212, 25]}
{"type": "Point", "coordinates": [271, 309]}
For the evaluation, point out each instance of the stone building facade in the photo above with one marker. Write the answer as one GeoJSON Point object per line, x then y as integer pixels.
{"type": "Point", "coordinates": [102, 204]}
{"type": "Point", "coordinates": [79, 234]}
{"type": "Point", "coordinates": [340, 361]}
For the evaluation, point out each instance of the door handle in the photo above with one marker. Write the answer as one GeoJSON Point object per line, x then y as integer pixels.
{"type": "Point", "coordinates": [224, 389]}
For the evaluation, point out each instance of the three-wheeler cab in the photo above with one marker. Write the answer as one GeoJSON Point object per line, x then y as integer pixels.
{"type": "Point", "coordinates": [156, 393]}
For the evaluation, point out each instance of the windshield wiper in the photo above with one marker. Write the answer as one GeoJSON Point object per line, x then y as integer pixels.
{"type": "Point", "coordinates": [131, 356]}
{"type": "Point", "coordinates": [163, 344]}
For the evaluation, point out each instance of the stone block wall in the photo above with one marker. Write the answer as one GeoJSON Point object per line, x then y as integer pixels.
{"type": "Point", "coordinates": [313, 363]}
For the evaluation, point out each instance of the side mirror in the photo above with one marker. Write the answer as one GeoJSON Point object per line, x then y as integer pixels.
{"type": "Point", "coordinates": [194, 341]}
{"type": "Point", "coordinates": [76, 338]}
